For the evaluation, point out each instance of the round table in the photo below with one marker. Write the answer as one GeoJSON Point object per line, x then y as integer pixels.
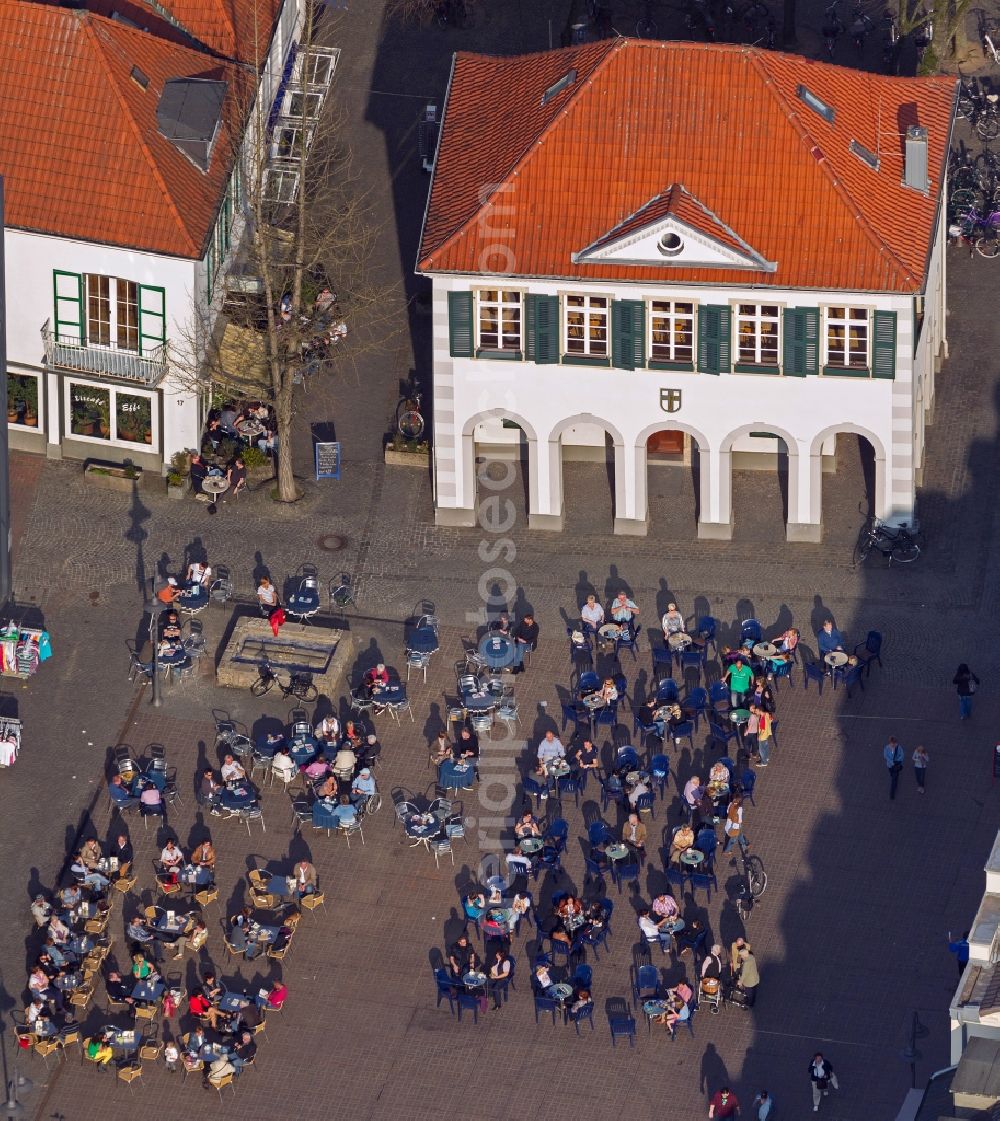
{"type": "Point", "coordinates": [636, 776]}
{"type": "Point", "coordinates": [617, 852]}
{"type": "Point", "coordinates": [562, 991]}
{"type": "Point", "coordinates": [694, 857]}
{"type": "Point", "coordinates": [474, 980]}
{"type": "Point", "coordinates": [610, 632]}
{"type": "Point", "coordinates": [765, 649]}
{"type": "Point", "coordinates": [215, 485]}
{"type": "Point", "coordinates": [250, 429]}
{"type": "Point", "coordinates": [558, 770]}
{"type": "Point", "coordinates": [531, 844]}
{"type": "Point", "coordinates": [739, 715]}
{"type": "Point", "coordinates": [835, 659]}
{"type": "Point", "coordinates": [679, 640]}
{"type": "Point", "coordinates": [593, 701]}
{"type": "Point", "coordinates": [497, 650]}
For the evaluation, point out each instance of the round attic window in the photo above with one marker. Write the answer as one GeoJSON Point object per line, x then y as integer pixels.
{"type": "Point", "coordinates": [670, 244]}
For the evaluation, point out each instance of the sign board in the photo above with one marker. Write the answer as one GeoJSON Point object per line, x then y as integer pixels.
{"type": "Point", "coordinates": [328, 460]}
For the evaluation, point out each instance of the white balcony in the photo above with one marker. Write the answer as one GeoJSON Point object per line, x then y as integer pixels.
{"type": "Point", "coordinates": [104, 361]}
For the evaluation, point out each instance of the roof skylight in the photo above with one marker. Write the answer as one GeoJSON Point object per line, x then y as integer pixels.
{"type": "Point", "coordinates": [557, 87]}
{"type": "Point", "coordinates": [816, 104]}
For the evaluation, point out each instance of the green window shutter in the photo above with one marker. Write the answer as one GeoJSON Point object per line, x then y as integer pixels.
{"type": "Point", "coordinates": [542, 329]}
{"type": "Point", "coordinates": [152, 318]}
{"type": "Point", "coordinates": [714, 338]}
{"type": "Point", "coordinates": [628, 334]}
{"type": "Point", "coordinates": [460, 337]}
{"type": "Point", "coordinates": [801, 341]}
{"type": "Point", "coordinates": [884, 345]}
{"type": "Point", "coordinates": [68, 292]}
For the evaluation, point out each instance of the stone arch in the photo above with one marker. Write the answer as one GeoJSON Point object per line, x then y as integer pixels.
{"type": "Point", "coordinates": [623, 492]}
{"type": "Point", "coordinates": [640, 464]}
{"type": "Point", "coordinates": [883, 482]}
{"type": "Point", "coordinates": [797, 505]}
{"type": "Point", "coordinates": [468, 453]}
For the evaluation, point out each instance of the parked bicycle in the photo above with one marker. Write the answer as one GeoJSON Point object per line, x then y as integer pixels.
{"type": "Point", "coordinates": [988, 35]}
{"type": "Point", "coordinates": [753, 883]}
{"type": "Point", "coordinates": [300, 685]}
{"type": "Point", "coordinates": [896, 543]}
{"type": "Point", "coordinates": [409, 421]}
{"type": "Point", "coordinates": [342, 592]}
{"type": "Point", "coordinates": [861, 24]}
{"type": "Point", "coordinates": [981, 229]}
{"type": "Point", "coordinates": [890, 41]}
{"type": "Point", "coordinates": [923, 36]}
{"type": "Point", "coordinates": [833, 28]}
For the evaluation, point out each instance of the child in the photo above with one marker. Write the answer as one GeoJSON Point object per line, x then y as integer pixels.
{"type": "Point", "coordinates": [171, 1056]}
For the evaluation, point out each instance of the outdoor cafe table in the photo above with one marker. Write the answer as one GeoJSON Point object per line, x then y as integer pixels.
{"type": "Point", "coordinates": [739, 716]}
{"type": "Point", "coordinates": [147, 991]}
{"type": "Point", "coordinates": [323, 815]}
{"type": "Point", "coordinates": [594, 701]}
{"type": "Point", "coordinates": [250, 429]}
{"type": "Point", "coordinates": [175, 926]}
{"type": "Point", "coordinates": [497, 650]}
{"type": "Point", "coordinates": [609, 634]}
{"type": "Point", "coordinates": [474, 980]}
{"type": "Point", "coordinates": [68, 981]}
{"type": "Point", "coordinates": [215, 485]}
{"type": "Point", "coordinates": [80, 944]}
{"type": "Point", "coordinates": [765, 649]}
{"type": "Point", "coordinates": [422, 640]}
{"type": "Point", "coordinates": [303, 750]}
{"type": "Point", "coordinates": [617, 852]}
{"type": "Point", "coordinates": [125, 1040]}
{"type": "Point", "coordinates": [561, 992]}
{"type": "Point", "coordinates": [266, 748]}
{"type": "Point", "coordinates": [281, 885]}
{"type": "Point", "coordinates": [303, 602]}
{"type": "Point", "coordinates": [421, 827]}
{"type": "Point", "coordinates": [195, 876]}
{"type": "Point", "coordinates": [234, 1002]}
{"type": "Point", "coordinates": [480, 700]}
{"type": "Point", "coordinates": [193, 597]}
{"type": "Point", "coordinates": [451, 776]}
{"type": "Point", "coordinates": [693, 857]}
{"type": "Point", "coordinates": [835, 659]}
{"type": "Point", "coordinates": [211, 1051]}
{"type": "Point", "coordinates": [151, 775]}
{"type": "Point", "coordinates": [531, 844]}
{"type": "Point", "coordinates": [263, 935]}
{"type": "Point", "coordinates": [679, 641]}
{"type": "Point", "coordinates": [237, 796]}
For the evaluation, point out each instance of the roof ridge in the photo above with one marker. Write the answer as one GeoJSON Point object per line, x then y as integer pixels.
{"type": "Point", "coordinates": [813, 146]}
{"type": "Point", "coordinates": [100, 35]}
{"type": "Point", "coordinates": [534, 142]}
{"type": "Point", "coordinates": [709, 213]}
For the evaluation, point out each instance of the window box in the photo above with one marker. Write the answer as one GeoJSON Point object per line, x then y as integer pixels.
{"type": "Point", "coordinates": [501, 355]}
{"type": "Point", "coordinates": [122, 479]}
{"type": "Point", "coordinates": [752, 368]}
{"type": "Point", "coordinates": [583, 360]}
{"type": "Point", "coordinates": [847, 372]}
{"type": "Point", "coordinates": [677, 367]}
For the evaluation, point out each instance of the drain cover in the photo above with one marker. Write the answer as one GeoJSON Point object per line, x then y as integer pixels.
{"type": "Point", "coordinates": [332, 542]}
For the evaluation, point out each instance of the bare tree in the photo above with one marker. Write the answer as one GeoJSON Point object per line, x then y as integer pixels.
{"type": "Point", "coordinates": [310, 303]}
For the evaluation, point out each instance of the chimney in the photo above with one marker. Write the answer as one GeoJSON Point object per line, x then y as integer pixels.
{"type": "Point", "coordinates": [915, 164]}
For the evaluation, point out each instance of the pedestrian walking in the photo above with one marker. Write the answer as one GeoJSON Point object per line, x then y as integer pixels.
{"type": "Point", "coordinates": [823, 1077]}
{"type": "Point", "coordinates": [892, 753]}
{"type": "Point", "coordinates": [920, 761]}
{"type": "Point", "coordinates": [763, 1107]}
{"type": "Point", "coordinates": [966, 683]}
{"type": "Point", "coordinates": [960, 948]}
{"type": "Point", "coordinates": [749, 977]}
{"type": "Point", "coordinates": [724, 1103]}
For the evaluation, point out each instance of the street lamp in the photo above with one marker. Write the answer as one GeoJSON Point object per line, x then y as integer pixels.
{"type": "Point", "coordinates": [155, 700]}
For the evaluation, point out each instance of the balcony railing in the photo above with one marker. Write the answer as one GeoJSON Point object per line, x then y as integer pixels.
{"type": "Point", "coordinates": [104, 361]}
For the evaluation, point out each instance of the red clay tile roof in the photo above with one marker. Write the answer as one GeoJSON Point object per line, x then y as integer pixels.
{"type": "Point", "coordinates": [85, 159]}
{"type": "Point", "coordinates": [235, 29]}
{"type": "Point", "coordinates": [724, 121]}
{"type": "Point", "coordinates": [675, 202]}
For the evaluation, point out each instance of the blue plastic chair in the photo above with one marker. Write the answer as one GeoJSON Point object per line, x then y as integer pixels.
{"type": "Point", "coordinates": [557, 833]}
{"type": "Point", "coordinates": [645, 984]}
{"type": "Point", "coordinates": [723, 736]}
{"type": "Point", "coordinates": [597, 938]}
{"type": "Point", "coordinates": [627, 641]}
{"type": "Point", "coordinates": [607, 715]}
{"type": "Point", "coordinates": [676, 875]}
{"type": "Point", "coordinates": [643, 731]}
{"type": "Point", "coordinates": [611, 791]}
{"type": "Point", "coordinates": [608, 906]}
{"type": "Point", "coordinates": [815, 671]}
{"type": "Point", "coordinates": [571, 784]}
{"type": "Point", "coordinates": [707, 842]}
{"type": "Point", "coordinates": [626, 757]}
{"type": "Point", "coordinates": [748, 780]}
{"type": "Point", "coordinates": [780, 670]}
{"type": "Point", "coordinates": [599, 831]}
{"type": "Point", "coordinates": [697, 701]}
{"type": "Point", "coordinates": [646, 802]}
{"type": "Point", "coordinates": [547, 1004]}
{"type": "Point", "coordinates": [593, 870]}
{"type": "Point", "coordinates": [584, 1013]}
{"type": "Point", "coordinates": [659, 769]}
{"type": "Point", "coordinates": [625, 872]}
{"type": "Point", "coordinates": [666, 692]}
{"type": "Point", "coordinates": [718, 693]}
{"type": "Point", "coordinates": [706, 629]}
{"type": "Point", "coordinates": [692, 659]}
{"type": "Point", "coordinates": [446, 988]}
{"type": "Point", "coordinates": [870, 650]}
{"type": "Point", "coordinates": [535, 788]}
{"type": "Point", "coordinates": [684, 730]}
{"type": "Point", "coordinates": [688, 1023]}
{"type": "Point", "coordinates": [751, 631]}
{"type": "Point", "coordinates": [580, 654]}
{"type": "Point", "coordinates": [589, 683]}
{"type": "Point", "coordinates": [576, 714]}
{"type": "Point", "coordinates": [621, 684]}
{"type": "Point", "coordinates": [563, 950]}
{"type": "Point", "coordinates": [582, 976]}
{"type": "Point", "coordinates": [705, 879]}
{"type": "Point", "coordinates": [470, 1002]}
{"type": "Point", "coordinates": [663, 658]}
{"type": "Point", "coordinates": [620, 1020]}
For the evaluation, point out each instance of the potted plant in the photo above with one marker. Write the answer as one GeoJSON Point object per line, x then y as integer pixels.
{"type": "Point", "coordinates": [178, 477]}
{"type": "Point", "coordinates": [122, 478]}
{"type": "Point", "coordinates": [103, 422]}
{"type": "Point", "coordinates": [401, 452]}
{"type": "Point", "coordinates": [257, 463]}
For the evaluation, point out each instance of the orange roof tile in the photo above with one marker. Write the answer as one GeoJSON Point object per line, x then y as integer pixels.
{"type": "Point", "coordinates": [85, 159]}
{"type": "Point", "coordinates": [724, 121]}
{"type": "Point", "coordinates": [236, 29]}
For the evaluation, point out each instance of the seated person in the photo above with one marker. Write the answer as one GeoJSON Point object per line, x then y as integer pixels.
{"type": "Point", "coordinates": [171, 856]}
{"type": "Point", "coordinates": [466, 746]}
{"type": "Point", "coordinates": [142, 968]}
{"type": "Point", "coordinates": [786, 644]}
{"type": "Point", "coordinates": [518, 863]}
{"type": "Point", "coordinates": [719, 774]}
{"type": "Point", "coordinates": [693, 792]}
{"type": "Point", "coordinates": [461, 956]}
{"type": "Point", "coordinates": [137, 931]}
{"type": "Point", "coordinates": [607, 692]}
{"type": "Point", "coordinates": [624, 611]}
{"type": "Point", "coordinates": [541, 980]}
{"type": "Point", "coordinates": [706, 841]}
{"type": "Point", "coordinates": [98, 1050]}
{"type": "Point", "coordinates": [283, 765]}
{"type": "Point", "coordinates": [440, 749]}
{"type": "Point", "coordinates": [120, 793]}
{"type": "Point", "coordinates": [829, 639]}
{"type": "Point", "coordinates": [528, 826]}
{"type": "Point", "coordinates": [328, 729]}
{"type": "Point", "coordinates": [93, 879]}
{"type": "Point", "coordinates": [204, 855]}
{"type": "Point", "coordinates": [344, 763]}
{"type": "Point", "coordinates": [346, 813]}
{"type": "Point", "coordinates": [353, 736]}
{"type": "Point", "coordinates": [682, 840]}
{"type": "Point", "coordinates": [232, 771]}
{"type": "Point", "coordinates": [210, 788]}
{"type": "Point", "coordinates": [170, 626]}
{"type": "Point", "coordinates": [665, 907]}
{"type": "Point", "coordinates": [648, 715]}
{"type": "Point", "coordinates": [198, 575]}
{"type": "Point", "coordinates": [267, 596]}
{"type": "Point", "coordinates": [237, 476]}
{"type": "Point", "coordinates": [654, 929]}
{"type": "Point", "coordinates": [195, 1041]}
{"type": "Point", "coordinates": [328, 787]}
{"type": "Point", "coordinates": [220, 1069]}
{"type": "Point", "coordinates": [599, 854]}
{"type": "Point", "coordinates": [678, 1009]}
{"type": "Point", "coordinates": [244, 1052]}
{"type": "Point", "coordinates": [549, 751]}
{"type": "Point", "coordinates": [474, 906]}
{"type": "Point", "coordinates": [672, 621]}
{"type": "Point", "coordinates": [276, 997]}
{"type": "Point", "coordinates": [198, 472]}
{"type": "Point", "coordinates": [634, 834]}
{"type": "Point", "coordinates": [198, 936]}
{"type": "Point", "coordinates": [211, 988]}
{"type": "Point", "coordinates": [71, 897]}
{"type": "Point", "coordinates": [371, 749]}
{"type": "Point", "coordinates": [306, 878]}
{"type": "Point", "coordinates": [580, 1005]}
{"type": "Point", "coordinates": [200, 1006]}
{"type": "Point", "coordinates": [376, 680]}
{"type": "Point", "coordinates": [587, 758]}
{"type": "Point", "coordinates": [592, 613]}
{"type": "Point", "coordinates": [90, 853]}
{"type": "Point", "coordinates": [364, 786]}
{"type": "Point", "coordinates": [637, 791]}
{"type": "Point", "coordinates": [169, 592]}
{"type": "Point", "coordinates": [118, 990]}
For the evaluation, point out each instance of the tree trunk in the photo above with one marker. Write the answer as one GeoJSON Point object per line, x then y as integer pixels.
{"type": "Point", "coordinates": [788, 25]}
{"type": "Point", "coordinates": [287, 491]}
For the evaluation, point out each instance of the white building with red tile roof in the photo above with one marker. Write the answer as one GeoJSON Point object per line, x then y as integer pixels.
{"type": "Point", "coordinates": [685, 246]}
{"type": "Point", "coordinates": [122, 124]}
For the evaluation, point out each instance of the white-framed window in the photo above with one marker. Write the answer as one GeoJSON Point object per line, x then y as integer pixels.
{"type": "Point", "coordinates": [585, 325]}
{"type": "Point", "coordinates": [757, 334]}
{"type": "Point", "coordinates": [111, 414]}
{"type": "Point", "coordinates": [288, 138]}
{"type": "Point", "coordinates": [302, 105]}
{"type": "Point", "coordinates": [281, 184]}
{"type": "Point", "coordinates": [671, 331]}
{"type": "Point", "coordinates": [112, 312]}
{"type": "Point", "coordinates": [847, 337]}
{"type": "Point", "coordinates": [315, 67]}
{"type": "Point", "coordinates": [499, 320]}
{"type": "Point", "coordinates": [24, 401]}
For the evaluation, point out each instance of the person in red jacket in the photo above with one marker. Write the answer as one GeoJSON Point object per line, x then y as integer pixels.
{"type": "Point", "coordinates": [724, 1103]}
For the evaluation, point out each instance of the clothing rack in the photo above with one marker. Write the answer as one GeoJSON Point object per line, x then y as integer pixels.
{"type": "Point", "coordinates": [22, 650]}
{"type": "Point", "coordinates": [10, 741]}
